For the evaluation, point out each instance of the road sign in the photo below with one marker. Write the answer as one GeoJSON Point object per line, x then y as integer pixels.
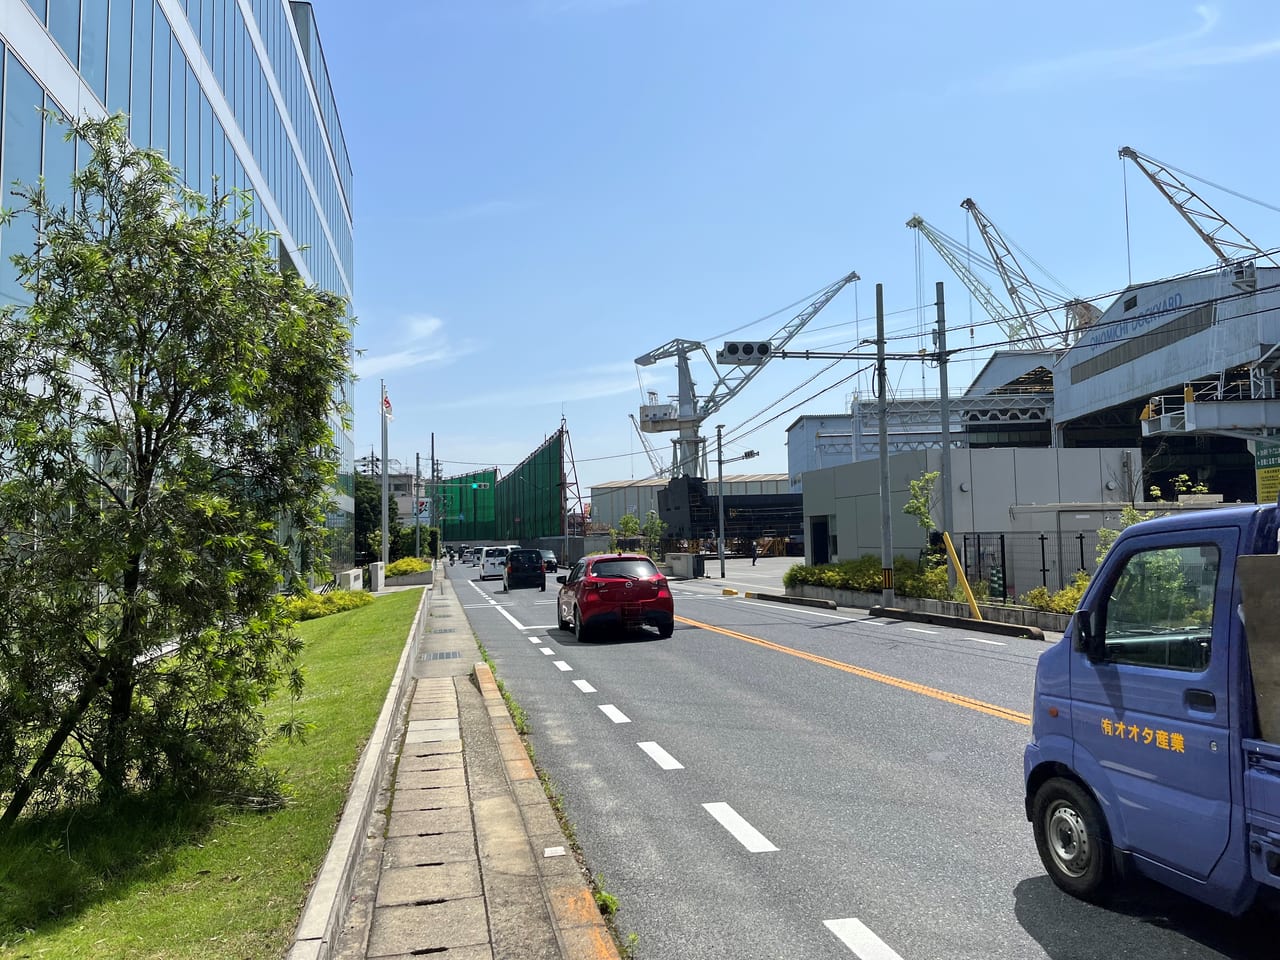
{"type": "Point", "coordinates": [1266, 462]}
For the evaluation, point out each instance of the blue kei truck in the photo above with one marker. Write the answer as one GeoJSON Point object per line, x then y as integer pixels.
{"type": "Point", "coordinates": [1155, 731]}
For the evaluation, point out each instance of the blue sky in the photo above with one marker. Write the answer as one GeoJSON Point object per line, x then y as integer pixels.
{"type": "Point", "coordinates": [546, 189]}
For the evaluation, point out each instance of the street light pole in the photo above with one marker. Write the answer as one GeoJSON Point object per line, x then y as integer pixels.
{"type": "Point", "coordinates": [720, 492]}
{"type": "Point", "coordinates": [720, 462]}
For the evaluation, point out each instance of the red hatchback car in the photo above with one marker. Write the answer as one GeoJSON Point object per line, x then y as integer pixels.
{"type": "Point", "coordinates": [614, 590]}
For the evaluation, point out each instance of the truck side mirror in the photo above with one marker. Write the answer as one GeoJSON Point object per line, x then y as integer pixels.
{"type": "Point", "coordinates": [1089, 635]}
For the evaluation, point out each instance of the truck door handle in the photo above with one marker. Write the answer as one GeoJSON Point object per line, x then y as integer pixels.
{"type": "Point", "coordinates": [1200, 699]}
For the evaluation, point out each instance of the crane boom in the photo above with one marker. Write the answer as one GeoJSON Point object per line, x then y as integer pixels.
{"type": "Point", "coordinates": [1014, 328]}
{"type": "Point", "coordinates": [687, 413]}
{"type": "Point", "coordinates": [1027, 301]}
{"type": "Point", "coordinates": [1207, 222]}
{"type": "Point", "coordinates": [734, 378]}
{"type": "Point", "coordinates": [654, 460]}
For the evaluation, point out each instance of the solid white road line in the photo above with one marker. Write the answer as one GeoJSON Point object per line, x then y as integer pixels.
{"type": "Point", "coordinates": [502, 610]}
{"type": "Point", "coordinates": [921, 630]}
{"type": "Point", "coordinates": [514, 622]}
{"type": "Point", "coordinates": [865, 945]}
{"type": "Point", "coordinates": [994, 643]}
{"type": "Point", "coordinates": [743, 832]}
{"type": "Point", "coordinates": [562, 666]}
{"type": "Point", "coordinates": [548, 651]}
{"type": "Point", "coordinates": [584, 686]}
{"type": "Point", "coordinates": [663, 759]}
{"type": "Point", "coordinates": [613, 713]}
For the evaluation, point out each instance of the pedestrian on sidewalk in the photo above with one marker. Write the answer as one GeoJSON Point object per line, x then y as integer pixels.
{"type": "Point", "coordinates": [754, 552]}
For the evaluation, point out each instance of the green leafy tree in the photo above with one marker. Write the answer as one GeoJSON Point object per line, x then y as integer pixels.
{"type": "Point", "coordinates": [166, 456]}
{"type": "Point", "coordinates": [923, 499]}
{"type": "Point", "coordinates": [1181, 484]}
{"type": "Point", "coordinates": [653, 529]}
{"type": "Point", "coordinates": [368, 515]}
{"type": "Point", "coordinates": [628, 526]}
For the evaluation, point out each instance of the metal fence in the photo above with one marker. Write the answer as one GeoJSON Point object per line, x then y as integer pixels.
{"type": "Point", "coordinates": [1014, 563]}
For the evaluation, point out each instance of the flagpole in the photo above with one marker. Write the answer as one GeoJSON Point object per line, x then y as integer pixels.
{"type": "Point", "coordinates": [386, 477]}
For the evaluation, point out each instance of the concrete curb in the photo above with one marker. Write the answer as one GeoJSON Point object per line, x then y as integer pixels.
{"type": "Point", "coordinates": [964, 623]}
{"type": "Point", "coordinates": [797, 601]}
{"type": "Point", "coordinates": [325, 910]}
{"type": "Point", "coordinates": [579, 928]}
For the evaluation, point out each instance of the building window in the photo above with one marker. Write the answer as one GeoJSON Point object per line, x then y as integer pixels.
{"type": "Point", "coordinates": [64, 24]}
{"type": "Point", "coordinates": [19, 160]}
{"type": "Point", "coordinates": [93, 47]}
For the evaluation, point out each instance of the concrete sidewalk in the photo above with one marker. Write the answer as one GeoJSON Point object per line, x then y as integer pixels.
{"type": "Point", "coordinates": [448, 843]}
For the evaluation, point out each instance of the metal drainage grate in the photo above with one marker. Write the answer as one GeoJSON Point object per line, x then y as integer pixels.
{"type": "Point", "coordinates": [446, 655]}
{"type": "Point", "coordinates": [445, 630]}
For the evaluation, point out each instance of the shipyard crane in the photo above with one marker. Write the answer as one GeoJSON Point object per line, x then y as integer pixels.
{"type": "Point", "coordinates": [688, 412]}
{"type": "Point", "coordinates": [655, 461]}
{"type": "Point", "coordinates": [1218, 233]}
{"type": "Point", "coordinates": [1019, 329]}
{"type": "Point", "coordinates": [1026, 296]}
{"type": "Point", "coordinates": [950, 250]}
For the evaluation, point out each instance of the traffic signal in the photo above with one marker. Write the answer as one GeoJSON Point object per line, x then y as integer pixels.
{"type": "Point", "coordinates": [479, 486]}
{"type": "Point", "coordinates": [744, 352]}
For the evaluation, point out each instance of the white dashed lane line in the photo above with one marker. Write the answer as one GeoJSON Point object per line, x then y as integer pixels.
{"type": "Point", "coordinates": [663, 759]}
{"type": "Point", "coordinates": [921, 630]}
{"type": "Point", "coordinates": [548, 651]}
{"type": "Point", "coordinates": [613, 713]}
{"type": "Point", "coordinates": [994, 643]}
{"type": "Point", "coordinates": [743, 832]}
{"type": "Point", "coordinates": [562, 666]}
{"type": "Point", "coordinates": [535, 639]}
{"type": "Point", "coordinates": [584, 686]}
{"type": "Point", "coordinates": [857, 936]}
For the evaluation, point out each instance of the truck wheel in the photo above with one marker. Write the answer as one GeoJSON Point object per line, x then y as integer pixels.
{"type": "Point", "coordinates": [1071, 838]}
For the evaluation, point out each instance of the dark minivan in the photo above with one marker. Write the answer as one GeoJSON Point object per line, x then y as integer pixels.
{"type": "Point", "coordinates": [524, 568]}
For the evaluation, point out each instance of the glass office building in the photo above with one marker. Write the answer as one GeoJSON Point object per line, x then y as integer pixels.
{"type": "Point", "coordinates": [232, 89]}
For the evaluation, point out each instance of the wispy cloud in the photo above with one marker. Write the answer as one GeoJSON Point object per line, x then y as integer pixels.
{"type": "Point", "coordinates": [483, 210]}
{"type": "Point", "coordinates": [554, 7]}
{"type": "Point", "coordinates": [424, 343]}
{"type": "Point", "coordinates": [589, 383]}
{"type": "Point", "coordinates": [1179, 51]}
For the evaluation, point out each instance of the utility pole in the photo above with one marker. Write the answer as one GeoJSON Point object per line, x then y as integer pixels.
{"type": "Point", "coordinates": [944, 409]}
{"type": "Point", "coordinates": [384, 411]}
{"type": "Point", "coordinates": [720, 493]}
{"type": "Point", "coordinates": [886, 516]}
{"type": "Point", "coordinates": [417, 507]}
{"type": "Point", "coordinates": [435, 492]}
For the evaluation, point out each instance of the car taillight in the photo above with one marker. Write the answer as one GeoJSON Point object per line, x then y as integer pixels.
{"type": "Point", "coordinates": [663, 592]}
{"type": "Point", "coordinates": [589, 585]}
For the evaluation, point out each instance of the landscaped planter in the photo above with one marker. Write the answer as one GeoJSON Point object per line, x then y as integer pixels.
{"type": "Point", "coordinates": [410, 580]}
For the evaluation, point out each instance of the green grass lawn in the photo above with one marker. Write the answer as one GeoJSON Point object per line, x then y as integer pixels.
{"type": "Point", "coordinates": [163, 878]}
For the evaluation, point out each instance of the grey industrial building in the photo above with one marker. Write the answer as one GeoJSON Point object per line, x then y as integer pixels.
{"type": "Point", "coordinates": [1178, 376]}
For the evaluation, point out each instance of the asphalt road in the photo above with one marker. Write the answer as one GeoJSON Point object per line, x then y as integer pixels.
{"type": "Point", "coordinates": [782, 782]}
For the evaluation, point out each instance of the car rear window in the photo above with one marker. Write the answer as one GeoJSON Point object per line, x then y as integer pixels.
{"type": "Point", "coordinates": [525, 556]}
{"type": "Point", "coordinates": [631, 569]}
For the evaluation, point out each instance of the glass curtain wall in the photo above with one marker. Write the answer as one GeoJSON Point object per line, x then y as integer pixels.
{"type": "Point", "coordinates": [235, 102]}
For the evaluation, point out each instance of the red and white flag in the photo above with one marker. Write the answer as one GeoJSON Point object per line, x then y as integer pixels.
{"type": "Point", "coordinates": [386, 406]}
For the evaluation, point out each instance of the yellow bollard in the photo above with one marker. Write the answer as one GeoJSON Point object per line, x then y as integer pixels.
{"type": "Point", "coordinates": [960, 577]}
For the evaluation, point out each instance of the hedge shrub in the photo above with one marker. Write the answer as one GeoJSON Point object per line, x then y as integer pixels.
{"type": "Point", "coordinates": [309, 606]}
{"type": "Point", "coordinates": [910, 579]}
{"type": "Point", "coordinates": [406, 566]}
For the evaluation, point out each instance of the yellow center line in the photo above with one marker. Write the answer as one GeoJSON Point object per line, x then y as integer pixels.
{"type": "Point", "coordinates": [970, 703]}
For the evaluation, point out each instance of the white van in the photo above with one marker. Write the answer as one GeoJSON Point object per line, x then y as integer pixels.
{"type": "Point", "coordinates": [492, 562]}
